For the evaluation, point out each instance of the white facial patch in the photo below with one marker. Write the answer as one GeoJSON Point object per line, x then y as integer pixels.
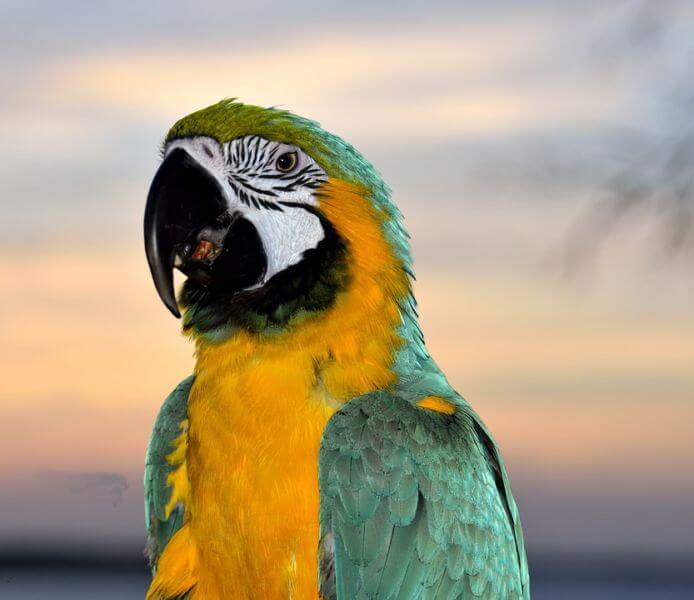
{"type": "Point", "coordinates": [272, 185]}
{"type": "Point", "coordinates": [286, 236]}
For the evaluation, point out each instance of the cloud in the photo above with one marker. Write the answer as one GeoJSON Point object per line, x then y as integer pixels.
{"type": "Point", "coordinates": [413, 83]}
{"type": "Point", "coordinates": [113, 485]}
{"type": "Point", "coordinates": [76, 27]}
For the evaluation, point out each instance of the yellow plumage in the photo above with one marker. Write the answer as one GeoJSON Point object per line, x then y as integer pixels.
{"type": "Point", "coordinates": [256, 412]}
{"type": "Point", "coordinates": [439, 405]}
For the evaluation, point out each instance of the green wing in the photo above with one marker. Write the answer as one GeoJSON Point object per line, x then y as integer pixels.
{"type": "Point", "coordinates": [157, 493]}
{"type": "Point", "coordinates": [415, 505]}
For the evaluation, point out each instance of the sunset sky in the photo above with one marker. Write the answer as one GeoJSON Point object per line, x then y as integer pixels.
{"type": "Point", "coordinates": [501, 130]}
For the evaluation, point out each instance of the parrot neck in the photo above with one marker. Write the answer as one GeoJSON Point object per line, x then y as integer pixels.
{"type": "Point", "coordinates": [351, 346]}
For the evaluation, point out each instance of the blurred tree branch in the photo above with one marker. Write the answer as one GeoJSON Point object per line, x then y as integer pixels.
{"type": "Point", "coordinates": [658, 175]}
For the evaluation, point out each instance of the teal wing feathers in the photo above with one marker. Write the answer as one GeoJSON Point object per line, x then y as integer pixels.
{"type": "Point", "coordinates": [167, 428]}
{"type": "Point", "coordinates": [415, 505]}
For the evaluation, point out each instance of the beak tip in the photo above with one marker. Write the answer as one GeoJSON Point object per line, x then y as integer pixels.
{"type": "Point", "coordinates": [169, 300]}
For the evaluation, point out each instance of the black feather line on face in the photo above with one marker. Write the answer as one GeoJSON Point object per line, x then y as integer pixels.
{"type": "Point", "coordinates": [285, 188]}
{"type": "Point", "coordinates": [272, 154]}
{"type": "Point", "coordinates": [270, 205]}
{"type": "Point", "coordinates": [297, 174]}
{"type": "Point", "coordinates": [247, 185]}
{"type": "Point", "coordinates": [251, 158]}
{"type": "Point", "coordinates": [253, 151]}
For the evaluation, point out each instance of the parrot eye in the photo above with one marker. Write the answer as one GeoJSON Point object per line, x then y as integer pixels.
{"type": "Point", "coordinates": [286, 162]}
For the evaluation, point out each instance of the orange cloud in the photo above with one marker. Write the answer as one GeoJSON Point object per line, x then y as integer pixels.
{"type": "Point", "coordinates": [397, 71]}
{"type": "Point", "coordinates": [91, 355]}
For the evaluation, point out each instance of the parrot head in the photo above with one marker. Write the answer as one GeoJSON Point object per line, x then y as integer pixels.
{"type": "Point", "coordinates": [269, 217]}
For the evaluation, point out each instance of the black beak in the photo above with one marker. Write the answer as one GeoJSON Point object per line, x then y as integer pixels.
{"type": "Point", "coordinates": [188, 226]}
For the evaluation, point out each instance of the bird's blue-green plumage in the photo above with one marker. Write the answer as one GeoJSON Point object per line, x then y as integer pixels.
{"type": "Point", "coordinates": [414, 504]}
{"type": "Point", "coordinates": [167, 429]}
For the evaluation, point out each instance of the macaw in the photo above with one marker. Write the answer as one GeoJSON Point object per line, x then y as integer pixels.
{"type": "Point", "coordinates": [317, 450]}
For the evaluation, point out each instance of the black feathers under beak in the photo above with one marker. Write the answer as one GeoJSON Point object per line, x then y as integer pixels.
{"type": "Point", "coordinates": [188, 226]}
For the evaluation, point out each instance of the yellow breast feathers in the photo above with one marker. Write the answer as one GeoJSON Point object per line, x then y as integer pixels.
{"type": "Point", "coordinates": [256, 412]}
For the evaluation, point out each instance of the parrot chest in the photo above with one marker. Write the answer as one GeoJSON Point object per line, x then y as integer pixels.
{"type": "Point", "coordinates": [254, 438]}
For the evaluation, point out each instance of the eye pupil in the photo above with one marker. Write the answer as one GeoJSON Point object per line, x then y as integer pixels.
{"type": "Point", "coordinates": [286, 162]}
